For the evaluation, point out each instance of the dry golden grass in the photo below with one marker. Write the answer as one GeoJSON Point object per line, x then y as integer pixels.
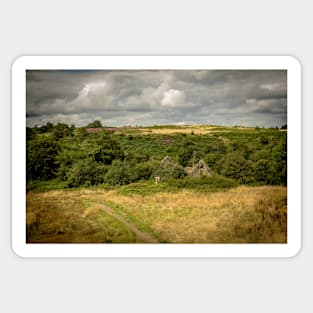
{"type": "Point", "coordinates": [188, 129]}
{"type": "Point", "coordinates": [91, 211]}
{"type": "Point", "coordinates": [239, 215]}
{"type": "Point", "coordinates": [209, 217]}
{"type": "Point", "coordinates": [61, 217]}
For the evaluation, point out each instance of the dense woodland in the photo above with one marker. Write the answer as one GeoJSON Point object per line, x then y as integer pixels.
{"type": "Point", "coordinates": [65, 156]}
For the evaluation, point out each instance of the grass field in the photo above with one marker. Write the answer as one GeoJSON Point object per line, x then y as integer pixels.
{"type": "Point", "coordinates": [242, 214]}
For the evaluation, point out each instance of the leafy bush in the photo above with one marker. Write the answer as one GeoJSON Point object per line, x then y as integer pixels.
{"type": "Point", "coordinates": [81, 133]}
{"type": "Point", "coordinates": [186, 153]}
{"type": "Point", "coordinates": [86, 172]}
{"type": "Point", "coordinates": [167, 172]}
{"type": "Point", "coordinates": [212, 158]}
{"type": "Point", "coordinates": [62, 130]}
{"type": "Point", "coordinates": [235, 166]}
{"type": "Point", "coordinates": [263, 140]}
{"type": "Point", "coordinates": [119, 173]}
{"type": "Point", "coordinates": [95, 124]}
{"type": "Point", "coordinates": [143, 171]}
{"type": "Point", "coordinates": [107, 150]}
{"type": "Point", "coordinates": [40, 158]}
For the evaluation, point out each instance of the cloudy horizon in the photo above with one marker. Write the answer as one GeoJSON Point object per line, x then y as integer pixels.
{"type": "Point", "coordinates": [157, 97]}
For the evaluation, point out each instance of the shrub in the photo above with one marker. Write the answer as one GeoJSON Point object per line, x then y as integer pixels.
{"type": "Point", "coordinates": [212, 158]}
{"type": "Point", "coordinates": [40, 158]}
{"type": "Point", "coordinates": [143, 171]}
{"type": "Point", "coordinates": [107, 150]}
{"type": "Point", "coordinates": [119, 173]}
{"type": "Point", "coordinates": [80, 133]}
{"type": "Point", "coordinates": [186, 153]}
{"type": "Point", "coordinates": [235, 166]}
{"type": "Point", "coordinates": [86, 172]}
{"type": "Point", "coordinates": [95, 124]}
{"type": "Point", "coordinates": [167, 172]}
{"type": "Point", "coordinates": [62, 130]}
{"type": "Point", "coordinates": [263, 140]}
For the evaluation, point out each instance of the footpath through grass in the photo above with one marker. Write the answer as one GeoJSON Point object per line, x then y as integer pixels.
{"type": "Point", "coordinates": [238, 215]}
{"type": "Point", "coordinates": [63, 217]}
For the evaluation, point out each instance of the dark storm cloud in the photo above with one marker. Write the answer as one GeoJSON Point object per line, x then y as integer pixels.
{"type": "Point", "coordinates": [246, 97]}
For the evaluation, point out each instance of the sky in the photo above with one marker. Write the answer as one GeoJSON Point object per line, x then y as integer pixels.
{"type": "Point", "coordinates": [128, 97]}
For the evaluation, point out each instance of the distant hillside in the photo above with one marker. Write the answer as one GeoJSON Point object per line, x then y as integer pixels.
{"type": "Point", "coordinates": [67, 156]}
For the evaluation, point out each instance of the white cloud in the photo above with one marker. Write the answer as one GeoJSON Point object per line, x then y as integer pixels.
{"type": "Point", "coordinates": [273, 87]}
{"type": "Point", "coordinates": [174, 98]}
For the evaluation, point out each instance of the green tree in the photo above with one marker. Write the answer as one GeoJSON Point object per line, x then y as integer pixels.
{"type": "Point", "coordinates": [186, 154]}
{"type": "Point", "coordinates": [119, 173]}
{"type": "Point", "coordinates": [29, 133]}
{"type": "Point", "coordinates": [62, 130]}
{"type": "Point", "coordinates": [264, 171]}
{"type": "Point", "coordinates": [235, 166]}
{"type": "Point", "coordinates": [80, 133]}
{"type": "Point", "coordinates": [40, 158]}
{"type": "Point", "coordinates": [107, 150]}
{"type": "Point", "coordinates": [67, 156]}
{"type": "Point", "coordinates": [142, 171]}
{"type": "Point", "coordinates": [86, 172]}
{"type": "Point", "coordinates": [95, 124]}
{"type": "Point", "coordinates": [167, 172]}
{"type": "Point", "coordinates": [46, 128]}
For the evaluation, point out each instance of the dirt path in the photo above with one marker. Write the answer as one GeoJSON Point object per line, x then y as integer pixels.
{"type": "Point", "coordinates": [143, 236]}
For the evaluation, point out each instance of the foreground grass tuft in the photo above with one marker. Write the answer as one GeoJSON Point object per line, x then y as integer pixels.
{"type": "Point", "coordinates": [60, 217]}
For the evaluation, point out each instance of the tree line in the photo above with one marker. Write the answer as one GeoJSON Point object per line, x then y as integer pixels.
{"type": "Point", "coordinates": [75, 157]}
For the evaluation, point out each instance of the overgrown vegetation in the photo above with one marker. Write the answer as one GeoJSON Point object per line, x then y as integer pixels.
{"type": "Point", "coordinates": [74, 173]}
{"type": "Point", "coordinates": [64, 156]}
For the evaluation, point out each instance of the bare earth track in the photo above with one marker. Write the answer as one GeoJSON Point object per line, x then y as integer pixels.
{"type": "Point", "coordinates": [142, 236]}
